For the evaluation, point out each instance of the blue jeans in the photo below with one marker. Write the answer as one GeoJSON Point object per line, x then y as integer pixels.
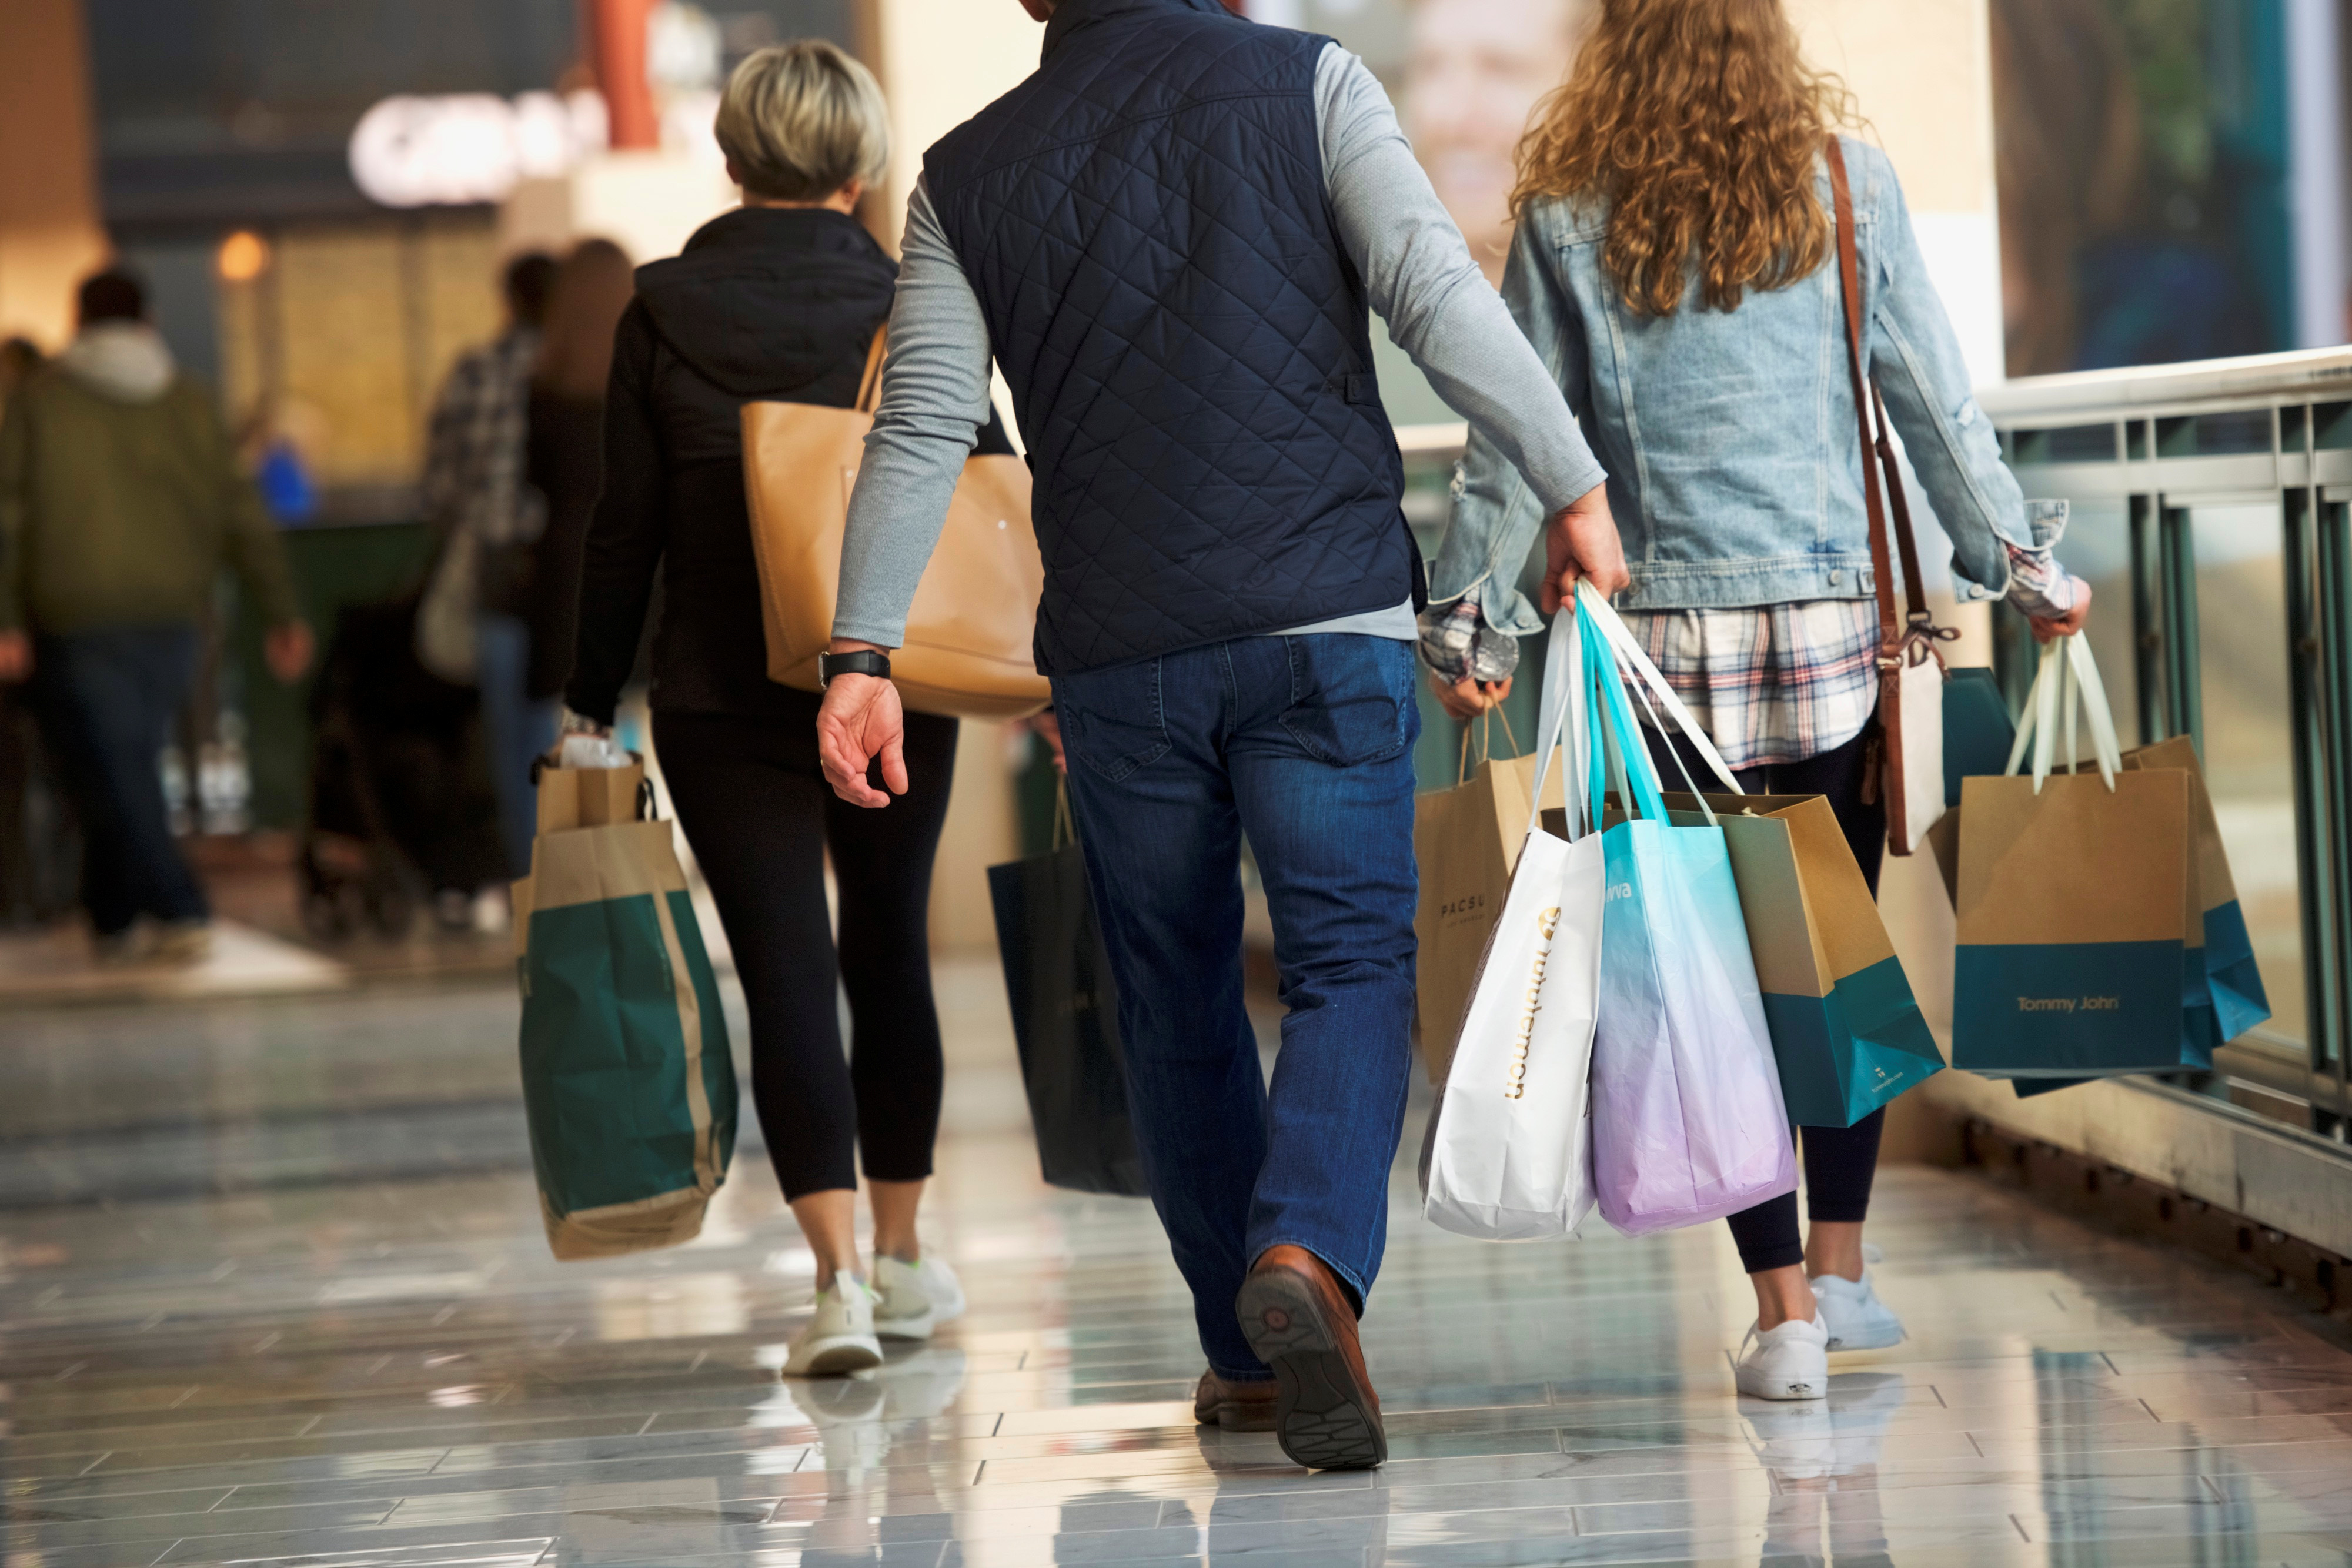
{"type": "Point", "coordinates": [1304, 744]}
{"type": "Point", "coordinates": [516, 728]}
{"type": "Point", "coordinates": [106, 701]}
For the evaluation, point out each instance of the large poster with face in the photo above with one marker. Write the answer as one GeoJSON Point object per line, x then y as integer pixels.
{"type": "Point", "coordinates": [1465, 76]}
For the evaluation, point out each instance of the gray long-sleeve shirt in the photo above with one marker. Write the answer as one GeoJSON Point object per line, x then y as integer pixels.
{"type": "Point", "coordinates": [1418, 275]}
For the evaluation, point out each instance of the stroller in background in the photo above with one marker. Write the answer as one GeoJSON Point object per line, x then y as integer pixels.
{"type": "Point", "coordinates": [401, 807]}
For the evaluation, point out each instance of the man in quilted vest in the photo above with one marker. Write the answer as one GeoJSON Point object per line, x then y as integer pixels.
{"type": "Point", "coordinates": [1171, 238]}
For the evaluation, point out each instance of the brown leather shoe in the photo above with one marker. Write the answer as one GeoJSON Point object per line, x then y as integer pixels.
{"type": "Point", "coordinates": [1234, 1406]}
{"type": "Point", "coordinates": [1298, 1321]}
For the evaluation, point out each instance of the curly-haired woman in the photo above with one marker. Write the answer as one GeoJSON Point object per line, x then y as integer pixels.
{"type": "Point", "coordinates": [1675, 266]}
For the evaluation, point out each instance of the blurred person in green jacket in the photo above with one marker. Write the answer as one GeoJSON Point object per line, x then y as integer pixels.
{"type": "Point", "coordinates": [120, 500]}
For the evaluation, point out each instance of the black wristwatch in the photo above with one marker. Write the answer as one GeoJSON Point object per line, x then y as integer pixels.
{"type": "Point", "coordinates": [864, 662]}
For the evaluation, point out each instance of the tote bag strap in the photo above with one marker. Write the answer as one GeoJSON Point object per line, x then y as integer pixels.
{"type": "Point", "coordinates": [869, 386]}
{"type": "Point", "coordinates": [1890, 622]}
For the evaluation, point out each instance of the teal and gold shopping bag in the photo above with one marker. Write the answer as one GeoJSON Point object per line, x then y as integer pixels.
{"type": "Point", "coordinates": [2234, 995]}
{"type": "Point", "coordinates": [1846, 1030]}
{"type": "Point", "coordinates": [2077, 903]}
{"type": "Point", "coordinates": [627, 1082]}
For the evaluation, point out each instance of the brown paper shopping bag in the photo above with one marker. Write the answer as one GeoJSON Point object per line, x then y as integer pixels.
{"type": "Point", "coordinates": [2077, 909]}
{"type": "Point", "coordinates": [1846, 1029]}
{"type": "Point", "coordinates": [628, 1085]}
{"type": "Point", "coordinates": [1467, 840]}
{"type": "Point", "coordinates": [2233, 998]}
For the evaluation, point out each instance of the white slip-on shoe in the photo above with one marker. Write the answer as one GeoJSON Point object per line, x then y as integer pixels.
{"type": "Point", "coordinates": [1855, 1317]}
{"type": "Point", "coordinates": [840, 1338]}
{"type": "Point", "coordinates": [913, 1299]}
{"type": "Point", "coordinates": [1791, 1361]}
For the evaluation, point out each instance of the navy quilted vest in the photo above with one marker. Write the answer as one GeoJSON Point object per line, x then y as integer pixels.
{"type": "Point", "coordinates": [1146, 225]}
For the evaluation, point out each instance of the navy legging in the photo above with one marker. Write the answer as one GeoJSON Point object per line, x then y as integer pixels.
{"type": "Point", "coordinates": [1839, 1161]}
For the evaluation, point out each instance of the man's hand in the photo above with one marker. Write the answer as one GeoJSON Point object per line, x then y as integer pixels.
{"type": "Point", "coordinates": [1465, 699]}
{"type": "Point", "coordinates": [861, 719]}
{"type": "Point", "coordinates": [287, 650]}
{"type": "Point", "coordinates": [2071, 621]}
{"type": "Point", "coordinates": [1582, 542]}
{"type": "Point", "coordinates": [15, 657]}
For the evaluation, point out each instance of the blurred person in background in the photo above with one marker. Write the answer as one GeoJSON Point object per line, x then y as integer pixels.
{"type": "Point", "coordinates": [564, 465]}
{"type": "Point", "coordinates": [1477, 71]}
{"type": "Point", "coordinates": [1676, 265]}
{"type": "Point", "coordinates": [34, 845]}
{"type": "Point", "coordinates": [780, 299]}
{"type": "Point", "coordinates": [470, 626]}
{"type": "Point", "coordinates": [120, 499]}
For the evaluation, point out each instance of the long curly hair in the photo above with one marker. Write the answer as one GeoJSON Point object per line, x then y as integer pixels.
{"type": "Point", "coordinates": [1699, 122]}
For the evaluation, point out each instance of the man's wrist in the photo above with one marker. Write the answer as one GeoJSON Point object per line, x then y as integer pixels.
{"type": "Point", "coordinates": [847, 656]}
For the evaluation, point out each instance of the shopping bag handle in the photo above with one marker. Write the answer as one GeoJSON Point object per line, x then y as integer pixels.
{"type": "Point", "coordinates": [1629, 649]}
{"type": "Point", "coordinates": [2066, 681]}
{"type": "Point", "coordinates": [1638, 773]}
{"type": "Point", "coordinates": [1561, 649]}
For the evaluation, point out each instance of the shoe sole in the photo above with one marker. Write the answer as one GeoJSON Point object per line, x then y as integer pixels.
{"type": "Point", "coordinates": [1782, 1389]}
{"type": "Point", "coordinates": [835, 1357]}
{"type": "Point", "coordinates": [1323, 1417]}
{"type": "Point", "coordinates": [905, 1328]}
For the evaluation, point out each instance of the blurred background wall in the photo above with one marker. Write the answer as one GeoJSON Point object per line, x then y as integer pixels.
{"type": "Point", "coordinates": [50, 229]}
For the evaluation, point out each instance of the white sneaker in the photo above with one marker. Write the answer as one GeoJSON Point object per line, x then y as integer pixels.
{"type": "Point", "coordinates": [913, 1299]}
{"type": "Point", "coordinates": [1791, 1361]}
{"type": "Point", "coordinates": [1855, 1317]}
{"type": "Point", "coordinates": [840, 1337]}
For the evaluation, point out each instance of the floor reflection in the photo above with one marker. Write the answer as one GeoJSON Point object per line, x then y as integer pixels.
{"type": "Point", "coordinates": [357, 1361]}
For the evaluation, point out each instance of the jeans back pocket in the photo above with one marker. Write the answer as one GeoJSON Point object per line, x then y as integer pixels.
{"type": "Point", "coordinates": [1351, 697]}
{"type": "Point", "coordinates": [1111, 719]}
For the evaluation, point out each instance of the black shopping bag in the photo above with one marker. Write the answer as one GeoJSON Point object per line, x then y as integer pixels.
{"type": "Point", "coordinates": [1065, 1020]}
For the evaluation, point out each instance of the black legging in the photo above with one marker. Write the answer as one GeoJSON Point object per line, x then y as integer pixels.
{"type": "Point", "coordinates": [1839, 1161]}
{"type": "Point", "coordinates": [756, 808]}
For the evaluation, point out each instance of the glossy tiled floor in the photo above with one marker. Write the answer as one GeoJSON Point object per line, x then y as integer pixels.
{"type": "Point", "coordinates": [359, 1352]}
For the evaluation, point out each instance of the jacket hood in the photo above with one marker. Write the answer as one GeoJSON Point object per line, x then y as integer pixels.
{"type": "Point", "coordinates": [124, 361]}
{"type": "Point", "coordinates": [761, 297]}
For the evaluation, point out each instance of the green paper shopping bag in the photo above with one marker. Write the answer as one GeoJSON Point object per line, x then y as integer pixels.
{"type": "Point", "coordinates": [627, 1082]}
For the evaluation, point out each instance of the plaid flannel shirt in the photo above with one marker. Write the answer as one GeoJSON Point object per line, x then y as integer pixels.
{"type": "Point", "coordinates": [474, 448]}
{"type": "Point", "coordinates": [1781, 682]}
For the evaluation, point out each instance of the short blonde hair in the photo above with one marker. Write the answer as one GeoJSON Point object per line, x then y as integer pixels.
{"type": "Point", "coordinates": [800, 121]}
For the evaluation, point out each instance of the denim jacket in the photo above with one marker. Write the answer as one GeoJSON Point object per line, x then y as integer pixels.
{"type": "Point", "coordinates": [1729, 437]}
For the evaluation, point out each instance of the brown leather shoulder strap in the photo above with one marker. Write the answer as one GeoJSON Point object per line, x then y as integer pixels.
{"type": "Point", "coordinates": [1915, 586]}
{"type": "Point", "coordinates": [1890, 622]}
{"type": "Point", "coordinates": [869, 386]}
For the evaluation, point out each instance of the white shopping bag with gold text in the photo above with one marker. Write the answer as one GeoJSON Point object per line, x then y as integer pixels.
{"type": "Point", "coordinates": [1509, 1155]}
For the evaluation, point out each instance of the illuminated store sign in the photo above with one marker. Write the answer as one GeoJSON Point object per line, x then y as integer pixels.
{"type": "Point", "coordinates": [469, 148]}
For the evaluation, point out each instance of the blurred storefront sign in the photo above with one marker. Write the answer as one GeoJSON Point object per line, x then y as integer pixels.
{"type": "Point", "coordinates": [474, 148]}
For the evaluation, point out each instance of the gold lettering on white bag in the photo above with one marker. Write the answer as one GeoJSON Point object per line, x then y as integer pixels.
{"type": "Point", "coordinates": [1514, 1081]}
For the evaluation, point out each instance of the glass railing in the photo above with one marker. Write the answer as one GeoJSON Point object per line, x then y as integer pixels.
{"type": "Point", "coordinates": [2209, 512]}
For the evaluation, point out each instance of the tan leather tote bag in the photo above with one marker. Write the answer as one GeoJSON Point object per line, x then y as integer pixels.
{"type": "Point", "coordinates": [968, 649]}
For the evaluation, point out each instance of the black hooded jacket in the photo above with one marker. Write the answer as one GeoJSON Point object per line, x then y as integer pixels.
{"type": "Point", "coordinates": [764, 303]}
